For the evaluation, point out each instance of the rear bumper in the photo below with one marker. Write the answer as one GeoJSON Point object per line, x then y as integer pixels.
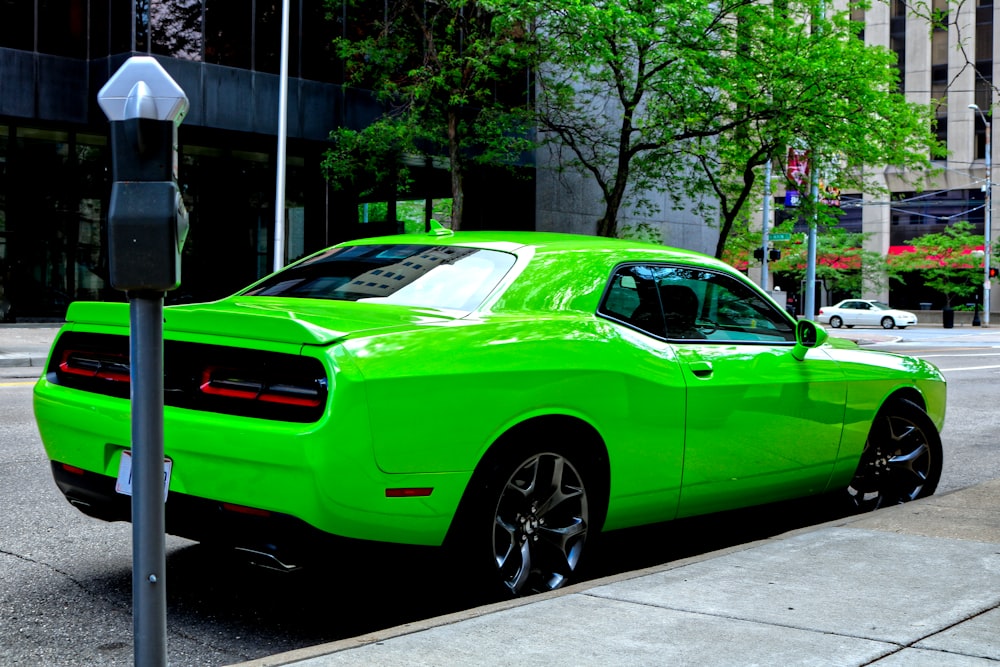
{"type": "Point", "coordinates": [319, 475]}
{"type": "Point", "coordinates": [273, 535]}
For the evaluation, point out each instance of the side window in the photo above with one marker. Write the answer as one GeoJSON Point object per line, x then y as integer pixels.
{"type": "Point", "coordinates": [633, 298]}
{"type": "Point", "coordinates": [688, 304]}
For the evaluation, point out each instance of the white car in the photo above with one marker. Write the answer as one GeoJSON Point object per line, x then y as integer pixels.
{"type": "Point", "coordinates": [864, 312]}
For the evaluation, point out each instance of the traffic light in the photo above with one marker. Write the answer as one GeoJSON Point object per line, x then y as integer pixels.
{"type": "Point", "coordinates": [758, 254]}
{"type": "Point", "coordinates": [993, 272]}
{"type": "Point", "coordinates": [774, 254]}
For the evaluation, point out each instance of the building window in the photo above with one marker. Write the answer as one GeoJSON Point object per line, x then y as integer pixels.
{"type": "Point", "coordinates": [228, 32]}
{"type": "Point", "coordinates": [176, 29]}
{"type": "Point", "coordinates": [267, 37]}
{"type": "Point", "coordinates": [316, 56]}
{"type": "Point", "coordinates": [62, 27]}
{"type": "Point", "coordinates": [17, 29]}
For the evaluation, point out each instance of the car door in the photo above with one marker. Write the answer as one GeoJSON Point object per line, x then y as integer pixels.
{"type": "Point", "coordinates": [759, 424]}
{"type": "Point", "coordinates": [866, 314]}
{"type": "Point", "coordinates": [848, 312]}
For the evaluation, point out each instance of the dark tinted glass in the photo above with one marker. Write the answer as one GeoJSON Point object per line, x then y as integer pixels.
{"type": "Point", "coordinates": [62, 27]}
{"type": "Point", "coordinates": [445, 277]}
{"type": "Point", "coordinates": [228, 32]}
{"type": "Point", "coordinates": [319, 61]}
{"type": "Point", "coordinates": [17, 24]}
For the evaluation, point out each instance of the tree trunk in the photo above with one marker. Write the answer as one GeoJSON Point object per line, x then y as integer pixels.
{"type": "Point", "coordinates": [454, 155]}
{"type": "Point", "coordinates": [607, 225]}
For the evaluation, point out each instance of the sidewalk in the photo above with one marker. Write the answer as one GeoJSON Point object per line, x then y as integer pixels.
{"type": "Point", "coordinates": [915, 584]}
{"type": "Point", "coordinates": [25, 347]}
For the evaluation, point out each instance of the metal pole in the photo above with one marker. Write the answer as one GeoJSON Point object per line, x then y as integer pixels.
{"type": "Point", "coordinates": [766, 223]}
{"type": "Point", "coordinates": [279, 189]}
{"type": "Point", "coordinates": [987, 232]}
{"type": "Point", "coordinates": [149, 583]}
{"type": "Point", "coordinates": [988, 214]}
{"type": "Point", "coordinates": [810, 303]}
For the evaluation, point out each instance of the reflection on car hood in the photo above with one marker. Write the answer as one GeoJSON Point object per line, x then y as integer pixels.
{"type": "Point", "coordinates": [296, 321]}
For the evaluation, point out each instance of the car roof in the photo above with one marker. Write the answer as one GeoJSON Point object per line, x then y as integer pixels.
{"type": "Point", "coordinates": [546, 242]}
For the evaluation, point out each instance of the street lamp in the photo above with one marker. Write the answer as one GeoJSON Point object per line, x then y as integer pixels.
{"type": "Point", "coordinates": [988, 218]}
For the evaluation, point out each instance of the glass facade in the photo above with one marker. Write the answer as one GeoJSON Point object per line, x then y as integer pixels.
{"type": "Point", "coordinates": [55, 154]}
{"type": "Point", "coordinates": [245, 34]}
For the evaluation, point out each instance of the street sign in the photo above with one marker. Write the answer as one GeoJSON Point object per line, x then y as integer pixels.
{"type": "Point", "coordinates": [780, 237]}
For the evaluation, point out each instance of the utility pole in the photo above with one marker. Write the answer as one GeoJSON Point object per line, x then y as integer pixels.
{"type": "Point", "coordinates": [764, 227]}
{"type": "Point", "coordinates": [988, 200]}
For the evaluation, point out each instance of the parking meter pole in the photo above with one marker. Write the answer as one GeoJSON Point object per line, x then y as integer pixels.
{"type": "Point", "coordinates": [147, 225]}
{"type": "Point", "coordinates": [149, 618]}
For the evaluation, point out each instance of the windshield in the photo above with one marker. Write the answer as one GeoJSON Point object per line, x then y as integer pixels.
{"type": "Point", "coordinates": [445, 277]}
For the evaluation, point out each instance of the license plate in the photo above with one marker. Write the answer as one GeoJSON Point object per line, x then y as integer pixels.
{"type": "Point", "coordinates": [124, 483]}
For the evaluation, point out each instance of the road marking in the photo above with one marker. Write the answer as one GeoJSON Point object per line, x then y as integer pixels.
{"type": "Point", "coordinates": [969, 368]}
{"type": "Point", "coordinates": [933, 356]}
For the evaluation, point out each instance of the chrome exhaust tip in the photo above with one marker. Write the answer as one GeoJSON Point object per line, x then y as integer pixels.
{"type": "Point", "coordinates": [266, 560]}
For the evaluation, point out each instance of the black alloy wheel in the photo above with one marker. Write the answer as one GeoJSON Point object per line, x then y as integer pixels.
{"type": "Point", "coordinates": [540, 521]}
{"type": "Point", "coordinates": [888, 323]}
{"type": "Point", "coordinates": [836, 322]}
{"type": "Point", "coordinates": [901, 460]}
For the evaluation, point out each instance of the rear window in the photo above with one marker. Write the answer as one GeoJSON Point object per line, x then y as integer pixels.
{"type": "Point", "coordinates": [445, 277]}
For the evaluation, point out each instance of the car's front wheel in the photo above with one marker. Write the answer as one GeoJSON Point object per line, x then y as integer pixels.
{"type": "Point", "coordinates": [525, 531]}
{"type": "Point", "coordinates": [836, 322]}
{"type": "Point", "coordinates": [901, 460]}
{"type": "Point", "coordinates": [888, 323]}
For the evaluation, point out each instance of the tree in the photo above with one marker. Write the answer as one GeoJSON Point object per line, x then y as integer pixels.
{"type": "Point", "coordinates": [841, 261]}
{"type": "Point", "coordinates": [945, 261]}
{"type": "Point", "coordinates": [691, 98]}
{"type": "Point", "coordinates": [615, 98]}
{"type": "Point", "coordinates": [804, 81]}
{"type": "Point", "coordinates": [442, 71]}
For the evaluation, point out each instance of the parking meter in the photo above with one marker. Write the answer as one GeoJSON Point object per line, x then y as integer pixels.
{"type": "Point", "coordinates": [147, 222]}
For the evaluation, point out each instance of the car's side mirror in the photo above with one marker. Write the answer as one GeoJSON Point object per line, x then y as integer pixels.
{"type": "Point", "coordinates": [808, 334]}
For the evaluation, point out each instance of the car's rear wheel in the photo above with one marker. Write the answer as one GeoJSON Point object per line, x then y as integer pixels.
{"type": "Point", "coordinates": [836, 322]}
{"type": "Point", "coordinates": [901, 460]}
{"type": "Point", "coordinates": [888, 323]}
{"type": "Point", "coordinates": [526, 529]}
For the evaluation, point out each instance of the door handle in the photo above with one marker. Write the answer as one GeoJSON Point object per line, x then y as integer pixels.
{"type": "Point", "coordinates": [702, 369]}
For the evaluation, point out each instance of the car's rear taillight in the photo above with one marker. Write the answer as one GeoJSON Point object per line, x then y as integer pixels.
{"type": "Point", "coordinates": [248, 386]}
{"type": "Point", "coordinates": [213, 378]}
{"type": "Point", "coordinates": [97, 365]}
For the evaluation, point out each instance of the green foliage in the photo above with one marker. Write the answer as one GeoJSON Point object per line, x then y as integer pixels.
{"type": "Point", "coordinates": [691, 98]}
{"type": "Point", "coordinates": [806, 82]}
{"type": "Point", "coordinates": [368, 160]}
{"type": "Point", "coordinates": [943, 260]}
{"type": "Point", "coordinates": [438, 69]}
{"type": "Point", "coordinates": [641, 231]}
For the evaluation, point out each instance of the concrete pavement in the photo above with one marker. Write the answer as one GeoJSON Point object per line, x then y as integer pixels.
{"type": "Point", "coordinates": [916, 584]}
{"type": "Point", "coordinates": [25, 347]}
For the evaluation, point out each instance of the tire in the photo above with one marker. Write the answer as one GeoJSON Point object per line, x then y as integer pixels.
{"type": "Point", "coordinates": [901, 460]}
{"type": "Point", "coordinates": [526, 529]}
{"type": "Point", "coordinates": [888, 323]}
{"type": "Point", "coordinates": [836, 322]}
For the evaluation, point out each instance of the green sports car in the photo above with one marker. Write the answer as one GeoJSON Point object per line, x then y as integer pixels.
{"type": "Point", "coordinates": [505, 395]}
